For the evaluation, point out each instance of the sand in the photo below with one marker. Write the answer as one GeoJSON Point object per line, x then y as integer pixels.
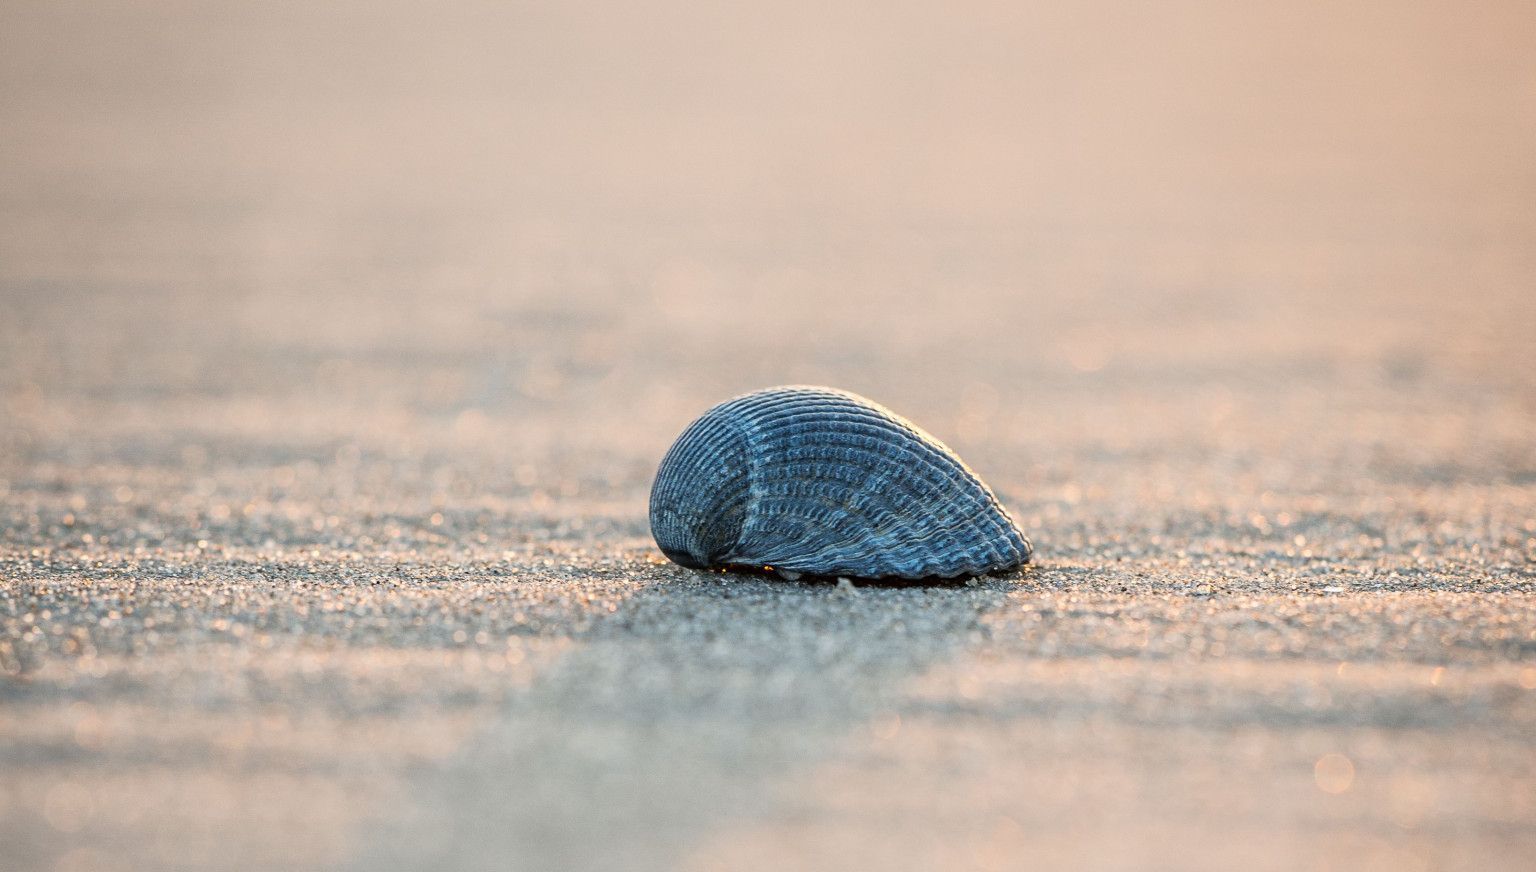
{"type": "Point", "coordinates": [338, 350]}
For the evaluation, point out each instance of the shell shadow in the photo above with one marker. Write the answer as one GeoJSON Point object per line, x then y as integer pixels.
{"type": "Point", "coordinates": [683, 710]}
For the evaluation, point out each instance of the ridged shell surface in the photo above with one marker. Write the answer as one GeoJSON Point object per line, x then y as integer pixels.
{"type": "Point", "coordinates": [820, 481]}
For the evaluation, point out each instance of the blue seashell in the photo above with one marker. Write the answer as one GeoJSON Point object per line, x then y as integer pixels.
{"type": "Point", "coordinates": [818, 481]}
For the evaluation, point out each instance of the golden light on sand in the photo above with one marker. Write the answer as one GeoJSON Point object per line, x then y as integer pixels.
{"type": "Point", "coordinates": [1410, 801]}
{"type": "Point", "coordinates": [1003, 846]}
{"type": "Point", "coordinates": [1334, 773]}
{"type": "Point", "coordinates": [886, 726]}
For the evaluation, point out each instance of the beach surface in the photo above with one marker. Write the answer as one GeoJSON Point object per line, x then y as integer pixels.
{"type": "Point", "coordinates": [339, 344]}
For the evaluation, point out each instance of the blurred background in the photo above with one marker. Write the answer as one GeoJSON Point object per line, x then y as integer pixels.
{"type": "Point", "coordinates": [294, 294]}
{"type": "Point", "coordinates": [504, 206]}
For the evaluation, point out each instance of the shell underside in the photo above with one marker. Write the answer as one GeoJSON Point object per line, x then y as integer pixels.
{"type": "Point", "coordinates": [822, 482]}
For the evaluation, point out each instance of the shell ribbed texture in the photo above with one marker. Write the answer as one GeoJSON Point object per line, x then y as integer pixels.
{"type": "Point", "coordinates": [821, 481]}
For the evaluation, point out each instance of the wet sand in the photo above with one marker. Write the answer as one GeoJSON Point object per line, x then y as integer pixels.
{"type": "Point", "coordinates": [338, 349]}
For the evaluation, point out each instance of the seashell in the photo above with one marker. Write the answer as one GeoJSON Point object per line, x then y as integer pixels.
{"type": "Point", "coordinates": [818, 481]}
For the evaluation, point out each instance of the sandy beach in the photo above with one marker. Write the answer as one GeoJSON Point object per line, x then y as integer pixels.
{"type": "Point", "coordinates": [338, 347]}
